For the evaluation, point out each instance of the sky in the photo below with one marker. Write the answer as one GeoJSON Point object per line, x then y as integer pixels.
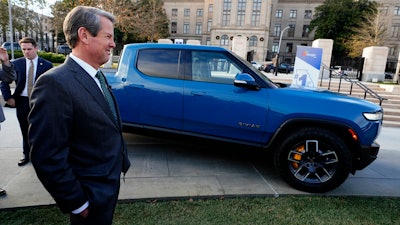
{"type": "Point", "coordinates": [46, 11]}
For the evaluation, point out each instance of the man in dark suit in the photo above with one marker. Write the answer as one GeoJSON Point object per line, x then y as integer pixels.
{"type": "Point", "coordinates": [77, 147]}
{"type": "Point", "coordinates": [20, 98]}
{"type": "Point", "coordinates": [7, 78]}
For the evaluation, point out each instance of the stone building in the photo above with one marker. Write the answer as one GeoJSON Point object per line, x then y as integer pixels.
{"type": "Point", "coordinates": [261, 22]}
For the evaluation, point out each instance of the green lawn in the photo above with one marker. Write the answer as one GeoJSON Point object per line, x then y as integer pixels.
{"type": "Point", "coordinates": [269, 210]}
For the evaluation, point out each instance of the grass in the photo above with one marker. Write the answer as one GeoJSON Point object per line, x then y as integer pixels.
{"type": "Point", "coordinates": [269, 210]}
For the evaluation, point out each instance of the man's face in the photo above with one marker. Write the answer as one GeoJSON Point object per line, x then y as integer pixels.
{"type": "Point", "coordinates": [102, 44]}
{"type": "Point", "coordinates": [29, 51]}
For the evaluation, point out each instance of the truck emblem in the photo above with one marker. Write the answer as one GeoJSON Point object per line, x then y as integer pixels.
{"type": "Point", "coordinates": [249, 125]}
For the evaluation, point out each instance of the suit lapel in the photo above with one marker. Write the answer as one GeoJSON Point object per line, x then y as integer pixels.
{"type": "Point", "coordinates": [40, 69]}
{"type": "Point", "coordinates": [21, 64]}
{"type": "Point", "coordinates": [90, 86]}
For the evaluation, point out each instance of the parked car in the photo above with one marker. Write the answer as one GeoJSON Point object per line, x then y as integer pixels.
{"type": "Point", "coordinates": [317, 137]}
{"type": "Point", "coordinates": [269, 68]}
{"type": "Point", "coordinates": [64, 49]}
{"type": "Point", "coordinates": [285, 68]}
{"type": "Point", "coordinates": [337, 71]}
{"type": "Point", "coordinates": [7, 45]}
{"type": "Point", "coordinates": [388, 75]}
{"type": "Point", "coordinates": [256, 65]}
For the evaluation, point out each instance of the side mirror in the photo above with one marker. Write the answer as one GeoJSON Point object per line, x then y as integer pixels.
{"type": "Point", "coordinates": [244, 80]}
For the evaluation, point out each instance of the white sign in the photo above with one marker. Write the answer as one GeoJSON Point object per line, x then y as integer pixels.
{"type": "Point", "coordinates": [307, 67]}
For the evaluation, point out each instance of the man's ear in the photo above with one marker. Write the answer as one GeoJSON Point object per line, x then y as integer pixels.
{"type": "Point", "coordinates": [83, 35]}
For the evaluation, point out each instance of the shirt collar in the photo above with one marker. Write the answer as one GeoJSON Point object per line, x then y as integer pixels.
{"type": "Point", "coordinates": [35, 60]}
{"type": "Point", "coordinates": [88, 68]}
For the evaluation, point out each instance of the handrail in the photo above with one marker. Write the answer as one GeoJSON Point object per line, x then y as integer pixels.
{"type": "Point", "coordinates": [365, 88]}
{"type": "Point", "coordinates": [357, 82]}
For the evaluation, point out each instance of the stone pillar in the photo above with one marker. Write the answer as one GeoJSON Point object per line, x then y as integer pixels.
{"type": "Point", "coordinates": [397, 73]}
{"type": "Point", "coordinates": [239, 46]}
{"type": "Point", "coordinates": [375, 63]}
{"type": "Point", "coordinates": [327, 46]}
{"type": "Point", "coordinates": [109, 63]}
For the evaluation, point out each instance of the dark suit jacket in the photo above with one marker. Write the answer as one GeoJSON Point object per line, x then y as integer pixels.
{"type": "Point", "coordinates": [19, 66]}
{"type": "Point", "coordinates": [77, 147]}
{"type": "Point", "coordinates": [7, 78]}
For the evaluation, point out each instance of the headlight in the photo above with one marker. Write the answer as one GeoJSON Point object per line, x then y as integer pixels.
{"type": "Point", "coordinates": [373, 116]}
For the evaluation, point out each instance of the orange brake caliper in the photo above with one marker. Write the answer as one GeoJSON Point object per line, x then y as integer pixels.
{"type": "Point", "coordinates": [297, 156]}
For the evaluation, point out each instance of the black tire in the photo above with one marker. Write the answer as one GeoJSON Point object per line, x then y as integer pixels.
{"type": "Point", "coordinates": [313, 160]}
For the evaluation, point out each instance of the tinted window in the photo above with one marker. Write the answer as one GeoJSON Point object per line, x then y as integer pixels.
{"type": "Point", "coordinates": [213, 67]}
{"type": "Point", "coordinates": [159, 62]}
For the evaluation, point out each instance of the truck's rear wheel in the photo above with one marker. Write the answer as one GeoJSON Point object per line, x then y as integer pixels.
{"type": "Point", "coordinates": [313, 160]}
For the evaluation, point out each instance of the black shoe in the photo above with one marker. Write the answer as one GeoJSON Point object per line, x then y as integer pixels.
{"type": "Point", "coordinates": [23, 162]}
{"type": "Point", "coordinates": [2, 192]}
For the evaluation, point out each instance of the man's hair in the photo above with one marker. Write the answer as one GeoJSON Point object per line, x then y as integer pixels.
{"type": "Point", "coordinates": [83, 16]}
{"type": "Point", "coordinates": [28, 40]}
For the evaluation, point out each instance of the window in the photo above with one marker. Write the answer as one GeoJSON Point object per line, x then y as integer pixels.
{"type": "Point", "coordinates": [289, 47]}
{"type": "Point", "coordinates": [213, 67]}
{"type": "Point", "coordinates": [199, 28]}
{"type": "Point", "coordinates": [174, 12]}
{"type": "Point", "coordinates": [306, 31]}
{"type": "Point", "coordinates": [224, 40]}
{"type": "Point", "coordinates": [209, 25]}
{"type": "Point", "coordinates": [255, 15]}
{"type": "Point", "coordinates": [291, 30]}
{"type": "Point", "coordinates": [384, 10]}
{"type": "Point", "coordinates": [277, 30]}
{"type": "Point", "coordinates": [241, 12]}
{"type": "Point", "coordinates": [199, 12]}
{"type": "Point", "coordinates": [186, 12]}
{"type": "Point", "coordinates": [226, 13]}
{"type": "Point", "coordinates": [397, 11]}
{"type": "Point", "coordinates": [275, 47]}
{"type": "Point", "coordinates": [174, 27]}
{"type": "Point", "coordinates": [293, 14]}
{"type": "Point", "coordinates": [395, 30]}
{"type": "Point", "coordinates": [253, 41]}
{"type": "Point", "coordinates": [278, 13]}
{"type": "Point", "coordinates": [210, 8]}
{"type": "Point", "coordinates": [307, 14]}
{"type": "Point", "coordinates": [208, 41]}
{"type": "Point", "coordinates": [392, 51]}
{"type": "Point", "coordinates": [186, 27]}
{"type": "Point", "coordinates": [151, 60]}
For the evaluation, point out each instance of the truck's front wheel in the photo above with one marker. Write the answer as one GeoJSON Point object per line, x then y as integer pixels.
{"type": "Point", "coordinates": [313, 160]}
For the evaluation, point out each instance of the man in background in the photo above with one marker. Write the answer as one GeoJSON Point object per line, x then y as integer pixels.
{"type": "Point", "coordinates": [6, 78]}
{"type": "Point", "coordinates": [26, 70]}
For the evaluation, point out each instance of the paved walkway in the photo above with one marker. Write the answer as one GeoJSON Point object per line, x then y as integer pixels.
{"type": "Point", "coordinates": [170, 169]}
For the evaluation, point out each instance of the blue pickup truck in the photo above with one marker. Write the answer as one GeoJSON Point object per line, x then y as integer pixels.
{"type": "Point", "coordinates": [318, 137]}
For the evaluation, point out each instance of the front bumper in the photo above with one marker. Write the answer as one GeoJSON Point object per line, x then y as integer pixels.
{"type": "Point", "coordinates": [366, 156]}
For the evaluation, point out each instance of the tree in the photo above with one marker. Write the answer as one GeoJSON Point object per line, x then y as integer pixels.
{"type": "Point", "coordinates": [21, 10]}
{"type": "Point", "coordinates": [4, 21]}
{"type": "Point", "coordinates": [146, 19]}
{"type": "Point", "coordinates": [59, 10]}
{"type": "Point", "coordinates": [371, 32]}
{"type": "Point", "coordinates": [338, 20]}
{"type": "Point", "coordinates": [137, 21]}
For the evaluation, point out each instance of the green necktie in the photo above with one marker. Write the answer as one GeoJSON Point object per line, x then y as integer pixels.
{"type": "Point", "coordinates": [107, 93]}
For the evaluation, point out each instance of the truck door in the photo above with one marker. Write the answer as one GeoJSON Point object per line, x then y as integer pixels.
{"type": "Point", "coordinates": [214, 106]}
